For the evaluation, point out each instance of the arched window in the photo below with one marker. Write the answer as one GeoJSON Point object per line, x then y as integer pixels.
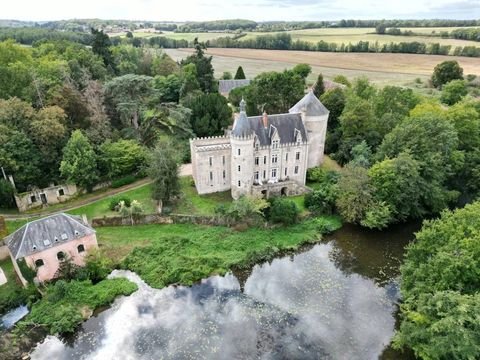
{"type": "Point", "coordinates": [61, 255]}
{"type": "Point", "coordinates": [39, 262]}
{"type": "Point", "coordinates": [80, 248]}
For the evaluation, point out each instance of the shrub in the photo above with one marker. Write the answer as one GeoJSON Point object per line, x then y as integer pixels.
{"type": "Point", "coordinates": [115, 201]}
{"type": "Point", "coordinates": [321, 201]}
{"type": "Point", "coordinates": [320, 175]}
{"type": "Point", "coordinates": [283, 211]}
{"type": "Point", "coordinates": [126, 180]}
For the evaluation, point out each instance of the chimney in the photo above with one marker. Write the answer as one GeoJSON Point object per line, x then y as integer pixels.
{"type": "Point", "coordinates": [265, 119]}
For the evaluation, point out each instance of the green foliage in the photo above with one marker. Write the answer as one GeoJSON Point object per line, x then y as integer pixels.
{"type": "Point", "coordinates": [28, 273]}
{"type": "Point", "coordinates": [98, 266]}
{"type": "Point", "coordinates": [246, 209]}
{"type": "Point", "coordinates": [184, 254]}
{"type": "Point", "coordinates": [115, 201]}
{"type": "Point", "coordinates": [129, 179]}
{"type": "Point", "coordinates": [122, 157]}
{"type": "Point", "coordinates": [101, 46]}
{"type": "Point", "coordinates": [6, 194]}
{"type": "Point", "coordinates": [210, 114]}
{"type": "Point", "coordinates": [303, 70]}
{"type": "Point", "coordinates": [60, 310]}
{"type": "Point", "coordinates": [334, 100]}
{"type": "Point", "coordinates": [283, 211]}
{"type": "Point", "coordinates": [289, 89]}
{"type": "Point", "coordinates": [440, 287]}
{"type": "Point", "coordinates": [239, 75]}
{"type": "Point", "coordinates": [361, 155]}
{"type": "Point", "coordinates": [203, 66]}
{"type": "Point", "coordinates": [163, 170]}
{"type": "Point", "coordinates": [453, 92]}
{"type": "Point", "coordinates": [322, 199]}
{"type": "Point", "coordinates": [381, 28]}
{"type": "Point", "coordinates": [342, 79]}
{"type": "Point", "coordinates": [319, 87]}
{"type": "Point", "coordinates": [445, 72]}
{"type": "Point", "coordinates": [377, 216]}
{"type": "Point", "coordinates": [227, 75]}
{"type": "Point", "coordinates": [79, 162]}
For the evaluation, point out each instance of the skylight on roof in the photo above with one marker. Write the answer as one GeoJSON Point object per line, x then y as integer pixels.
{"type": "Point", "coordinates": [64, 236]}
{"type": "Point", "coordinates": [46, 242]}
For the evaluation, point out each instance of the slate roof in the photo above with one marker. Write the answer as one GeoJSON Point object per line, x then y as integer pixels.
{"type": "Point", "coordinates": [45, 233]}
{"type": "Point", "coordinates": [310, 105]}
{"type": "Point", "coordinates": [225, 86]}
{"type": "Point", "coordinates": [285, 124]}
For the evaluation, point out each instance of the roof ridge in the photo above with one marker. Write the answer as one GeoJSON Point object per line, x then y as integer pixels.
{"type": "Point", "coordinates": [23, 238]}
{"type": "Point", "coordinates": [82, 224]}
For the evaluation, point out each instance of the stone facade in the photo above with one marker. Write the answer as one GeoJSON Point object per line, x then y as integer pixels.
{"type": "Point", "coordinates": [264, 155]}
{"type": "Point", "coordinates": [48, 196]}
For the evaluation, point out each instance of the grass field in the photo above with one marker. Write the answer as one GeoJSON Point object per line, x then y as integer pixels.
{"type": "Point", "coordinates": [382, 69]}
{"type": "Point", "coordinates": [354, 35]}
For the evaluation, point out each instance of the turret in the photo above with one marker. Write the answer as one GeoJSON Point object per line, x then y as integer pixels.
{"type": "Point", "coordinates": [315, 117]}
{"type": "Point", "coordinates": [242, 140]}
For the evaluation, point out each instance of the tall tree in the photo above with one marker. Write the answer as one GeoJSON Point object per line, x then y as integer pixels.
{"type": "Point", "coordinates": [453, 92]}
{"type": "Point", "coordinates": [319, 87]}
{"type": "Point", "coordinates": [101, 46]}
{"type": "Point", "coordinates": [239, 75]}
{"type": "Point", "coordinates": [445, 72]}
{"type": "Point", "coordinates": [203, 65]}
{"type": "Point", "coordinates": [79, 162]}
{"type": "Point", "coordinates": [163, 170]}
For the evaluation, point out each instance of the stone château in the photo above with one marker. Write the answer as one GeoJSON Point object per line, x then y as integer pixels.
{"type": "Point", "coordinates": [263, 155]}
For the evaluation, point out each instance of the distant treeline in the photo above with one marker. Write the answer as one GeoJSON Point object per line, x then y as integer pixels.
{"type": "Point", "coordinates": [29, 35]}
{"type": "Point", "coordinates": [466, 34]}
{"type": "Point", "coordinates": [218, 25]}
{"type": "Point", "coordinates": [472, 34]}
{"type": "Point", "coordinates": [298, 25]}
{"type": "Point", "coordinates": [283, 41]}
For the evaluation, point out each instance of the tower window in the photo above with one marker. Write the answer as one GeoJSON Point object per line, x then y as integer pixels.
{"type": "Point", "coordinates": [297, 155]}
{"type": "Point", "coordinates": [224, 174]}
{"type": "Point", "coordinates": [211, 176]}
{"type": "Point", "coordinates": [210, 161]}
{"type": "Point", "coordinates": [257, 160]}
{"type": "Point", "coordinates": [286, 157]}
{"type": "Point", "coordinates": [264, 174]}
{"type": "Point", "coordinates": [239, 183]}
{"type": "Point", "coordinates": [274, 173]}
{"type": "Point", "coordinates": [285, 171]}
{"type": "Point", "coordinates": [223, 159]}
{"type": "Point", "coordinates": [264, 160]}
{"type": "Point", "coordinates": [239, 168]}
{"type": "Point", "coordinates": [239, 152]}
{"type": "Point", "coordinates": [274, 159]}
{"type": "Point", "coordinates": [296, 170]}
{"type": "Point", "coordinates": [257, 176]}
{"type": "Point", "coordinates": [275, 144]}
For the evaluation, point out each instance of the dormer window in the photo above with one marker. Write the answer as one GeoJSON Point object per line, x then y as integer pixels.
{"type": "Point", "coordinates": [275, 144]}
{"type": "Point", "coordinates": [34, 247]}
{"type": "Point", "coordinates": [64, 237]}
{"type": "Point", "coordinates": [46, 242]}
{"type": "Point", "coordinates": [77, 233]}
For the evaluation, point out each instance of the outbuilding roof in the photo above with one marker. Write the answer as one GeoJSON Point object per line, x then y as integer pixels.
{"type": "Point", "coordinates": [225, 86]}
{"type": "Point", "coordinates": [41, 234]}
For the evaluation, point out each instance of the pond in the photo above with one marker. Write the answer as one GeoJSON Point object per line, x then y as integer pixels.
{"type": "Point", "coordinates": [334, 300]}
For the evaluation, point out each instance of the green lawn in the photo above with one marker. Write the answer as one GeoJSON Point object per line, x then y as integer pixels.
{"type": "Point", "coordinates": [192, 203]}
{"type": "Point", "coordinates": [166, 254]}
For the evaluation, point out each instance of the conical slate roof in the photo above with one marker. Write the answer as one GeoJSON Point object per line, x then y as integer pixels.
{"type": "Point", "coordinates": [310, 105]}
{"type": "Point", "coordinates": [241, 127]}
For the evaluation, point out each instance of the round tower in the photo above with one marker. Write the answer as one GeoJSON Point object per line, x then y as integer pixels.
{"type": "Point", "coordinates": [242, 141]}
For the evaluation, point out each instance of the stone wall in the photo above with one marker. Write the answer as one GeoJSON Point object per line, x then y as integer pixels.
{"type": "Point", "coordinates": [158, 219]}
{"type": "Point", "coordinates": [48, 196]}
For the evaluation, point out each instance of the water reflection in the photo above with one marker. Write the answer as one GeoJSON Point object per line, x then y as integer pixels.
{"type": "Point", "coordinates": [300, 307]}
{"type": "Point", "coordinates": [13, 316]}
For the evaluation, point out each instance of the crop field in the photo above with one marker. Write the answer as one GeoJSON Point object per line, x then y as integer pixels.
{"type": "Point", "coordinates": [354, 35]}
{"type": "Point", "coordinates": [382, 69]}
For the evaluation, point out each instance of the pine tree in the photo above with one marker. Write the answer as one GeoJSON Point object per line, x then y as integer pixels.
{"type": "Point", "coordinates": [319, 87]}
{"type": "Point", "coordinates": [239, 75]}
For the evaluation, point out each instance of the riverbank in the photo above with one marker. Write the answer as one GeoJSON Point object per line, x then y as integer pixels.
{"type": "Point", "coordinates": [179, 254]}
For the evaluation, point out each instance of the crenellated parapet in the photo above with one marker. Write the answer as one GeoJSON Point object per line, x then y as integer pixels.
{"type": "Point", "coordinates": [283, 146]}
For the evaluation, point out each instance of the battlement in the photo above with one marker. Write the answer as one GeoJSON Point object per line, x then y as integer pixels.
{"type": "Point", "coordinates": [243, 138]}
{"type": "Point", "coordinates": [283, 146]}
{"type": "Point", "coordinates": [209, 140]}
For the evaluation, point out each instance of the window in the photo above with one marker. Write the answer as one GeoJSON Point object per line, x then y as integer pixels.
{"type": "Point", "coordinates": [286, 157]}
{"type": "Point", "coordinates": [224, 174]}
{"type": "Point", "coordinates": [257, 160]}
{"type": "Point", "coordinates": [297, 155]}
{"type": "Point", "coordinates": [64, 236]}
{"type": "Point", "coordinates": [33, 199]}
{"type": "Point", "coordinates": [61, 192]}
{"type": "Point", "coordinates": [61, 255]}
{"type": "Point", "coordinates": [80, 248]}
{"type": "Point", "coordinates": [239, 183]}
{"type": "Point", "coordinates": [77, 233]}
{"type": "Point", "coordinates": [275, 144]}
{"type": "Point", "coordinates": [274, 159]}
{"type": "Point", "coordinates": [257, 176]}
{"type": "Point", "coordinates": [238, 152]}
{"type": "Point", "coordinates": [264, 174]}
{"type": "Point", "coordinates": [285, 171]}
{"type": "Point", "coordinates": [39, 262]}
{"type": "Point", "coordinates": [257, 146]}
{"type": "Point", "coordinates": [296, 170]}
{"type": "Point", "coordinates": [210, 161]}
{"type": "Point", "coordinates": [274, 173]}
{"type": "Point", "coordinates": [223, 159]}
{"type": "Point", "coordinates": [264, 160]}
{"type": "Point", "coordinates": [239, 168]}
{"type": "Point", "coordinates": [211, 176]}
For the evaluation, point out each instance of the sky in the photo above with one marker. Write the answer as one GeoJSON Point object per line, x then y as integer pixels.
{"type": "Point", "coordinates": [258, 10]}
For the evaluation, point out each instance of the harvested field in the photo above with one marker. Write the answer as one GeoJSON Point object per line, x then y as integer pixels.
{"type": "Point", "coordinates": [383, 69]}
